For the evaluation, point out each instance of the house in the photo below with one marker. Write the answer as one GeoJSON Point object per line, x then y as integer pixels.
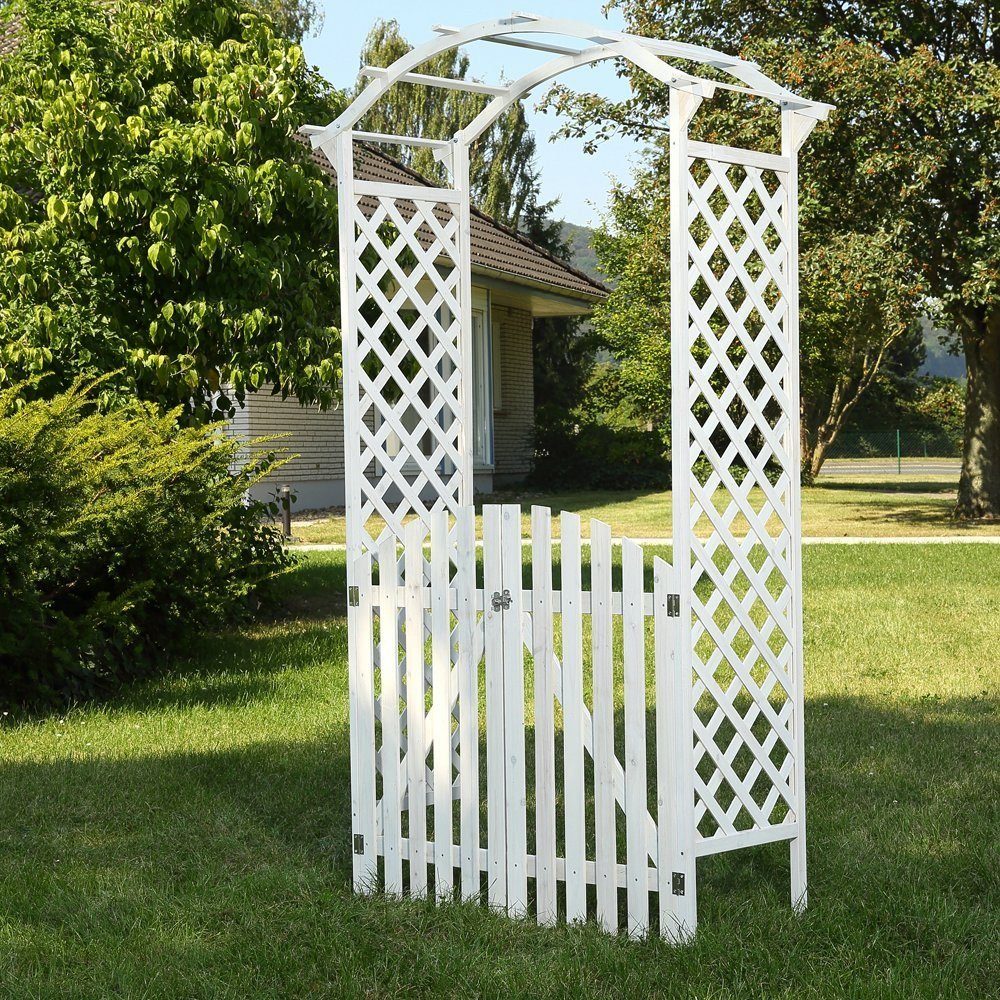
{"type": "Point", "coordinates": [514, 282]}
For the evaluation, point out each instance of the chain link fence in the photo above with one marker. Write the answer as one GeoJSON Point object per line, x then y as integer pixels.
{"type": "Point", "coordinates": [893, 449]}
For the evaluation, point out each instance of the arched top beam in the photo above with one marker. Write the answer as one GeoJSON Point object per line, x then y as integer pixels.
{"type": "Point", "coordinates": [646, 53]}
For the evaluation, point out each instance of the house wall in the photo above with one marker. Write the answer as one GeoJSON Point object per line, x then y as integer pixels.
{"type": "Point", "coordinates": [513, 422]}
{"type": "Point", "coordinates": [316, 438]}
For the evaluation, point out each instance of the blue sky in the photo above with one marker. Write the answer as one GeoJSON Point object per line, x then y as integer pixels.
{"type": "Point", "coordinates": [579, 181]}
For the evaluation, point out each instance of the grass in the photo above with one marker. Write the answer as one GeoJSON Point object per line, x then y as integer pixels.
{"type": "Point", "coordinates": [840, 506]}
{"type": "Point", "coordinates": [190, 837]}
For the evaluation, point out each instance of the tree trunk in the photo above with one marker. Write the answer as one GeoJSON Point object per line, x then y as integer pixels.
{"type": "Point", "coordinates": [979, 486]}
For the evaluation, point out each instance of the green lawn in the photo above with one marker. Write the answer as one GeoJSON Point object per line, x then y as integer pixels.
{"type": "Point", "coordinates": [190, 837]}
{"type": "Point", "coordinates": [845, 506]}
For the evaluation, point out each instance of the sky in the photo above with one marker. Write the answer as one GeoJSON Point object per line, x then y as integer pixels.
{"type": "Point", "coordinates": [578, 180]}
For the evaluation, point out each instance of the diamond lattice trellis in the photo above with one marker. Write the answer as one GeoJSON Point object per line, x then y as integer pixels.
{"type": "Point", "coordinates": [409, 453]}
{"type": "Point", "coordinates": [740, 497]}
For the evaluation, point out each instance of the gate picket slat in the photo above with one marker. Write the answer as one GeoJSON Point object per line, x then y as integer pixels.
{"type": "Point", "coordinates": [674, 765]}
{"type": "Point", "coordinates": [636, 805]}
{"type": "Point", "coordinates": [542, 649]}
{"type": "Point", "coordinates": [496, 813]}
{"type": "Point", "coordinates": [441, 703]}
{"type": "Point", "coordinates": [392, 830]}
{"type": "Point", "coordinates": [575, 816]}
{"type": "Point", "coordinates": [513, 680]}
{"type": "Point", "coordinates": [416, 746]}
{"type": "Point", "coordinates": [468, 699]}
{"type": "Point", "coordinates": [362, 707]}
{"type": "Point", "coordinates": [604, 726]}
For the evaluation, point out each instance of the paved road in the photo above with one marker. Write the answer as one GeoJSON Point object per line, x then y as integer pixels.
{"type": "Point", "coordinates": [888, 467]}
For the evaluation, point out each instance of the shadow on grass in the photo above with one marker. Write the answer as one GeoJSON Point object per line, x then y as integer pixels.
{"type": "Point", "coordinates": [241, 848]}
{"type": "Point", "coordinates": [919, 487]}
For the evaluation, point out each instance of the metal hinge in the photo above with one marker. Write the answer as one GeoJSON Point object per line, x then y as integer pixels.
{"type": "Point", "coordinates": [673, 605]}
{"type": "Point", "coordinates": [353, 596]}
{"type": "Point", "coordinates": [677, 884]}
{"type": "Point", "coordinates": [359, 843]}
{"type": "Point", "coordinates": [501, 602]}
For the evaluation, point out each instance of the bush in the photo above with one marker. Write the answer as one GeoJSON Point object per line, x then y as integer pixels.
{"type": "Point", "coordinates": [121, 537]}
{"type": "Point", "coordinates": [600, 456]}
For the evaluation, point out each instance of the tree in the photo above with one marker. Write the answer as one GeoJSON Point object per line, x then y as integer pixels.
{"type": "Point", "coordinates": [859, 289]}
{"type": "Point", "coordinates": [502, 169]}
{"type": "Point", "coordinates": [294, 18]}
{"type": "Point", "coordinates": [157, 219]}
{"type": "Point", "coordinates": [924, 82]}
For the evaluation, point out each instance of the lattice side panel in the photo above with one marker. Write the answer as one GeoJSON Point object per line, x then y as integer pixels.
{"type": "Point", "coordinates": [741, 496]}
{"type": "Point", "coordinates": [407, 457]}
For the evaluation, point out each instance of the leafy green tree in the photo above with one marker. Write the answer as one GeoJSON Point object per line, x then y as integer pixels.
{"type": "Point", "coordinates": [502, 167]}
{"type": "Point", "coordinates": [859, 289]}
{"type": "Point", "coordinates": [294, 18]}
{"type": "Point", "coordinates": [917, 86]}
{"type": "Point", "coordinates": [157, 219]}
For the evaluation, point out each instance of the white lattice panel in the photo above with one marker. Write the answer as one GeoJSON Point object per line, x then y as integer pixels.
{"type": "Point", "coordinates": [741, 484]}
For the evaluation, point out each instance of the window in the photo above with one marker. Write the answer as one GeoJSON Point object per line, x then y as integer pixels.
{"type": "Point", "coordinates": [497, 398]}
{"type": "Point", "coordinates": [483, 378]}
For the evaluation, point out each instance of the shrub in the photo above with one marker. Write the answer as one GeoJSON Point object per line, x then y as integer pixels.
{"type": "Point", "coordinates": [121, 537]}
{"type": "Point", "coordinates": [600, 456]}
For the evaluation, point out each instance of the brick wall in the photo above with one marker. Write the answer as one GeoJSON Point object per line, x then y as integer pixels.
{"type": "Point", "coordinates": [514, 420]}
{"type": "Point", "coordinates": [315, 436]}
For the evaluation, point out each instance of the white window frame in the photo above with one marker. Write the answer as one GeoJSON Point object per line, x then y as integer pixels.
{"type": "Point", "coordinates": [483, 379]}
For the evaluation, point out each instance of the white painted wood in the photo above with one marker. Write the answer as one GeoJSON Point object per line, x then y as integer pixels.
{"type": "Point", "coordinates": [731, 154]}
{"type": "Point", "coordinates": [674, 765]}
{"type": "Point", "coordinates": [514, 739]}
{"type": "Point", "coordinates": [743, 620]}
{"type": "Point", "coordinates": [612, 49]}
{"type": "Point", "coordinates": [678, 915]}
{"type": "Point", "coordinates": [636, 804]}
{"type": "Point", "coordinates": [644, 52]}
{"type": "Point", "coordinates": [793, 133]}
{"type": "Point", "coordinates": [400, 140]}
{"type": "Point", "coordinates": [574, 798]}
{"type": "Point", "coordinates": [605, 827]}
{"type": "Point", "coordinates": [441, 705]}
{"type": "Point", "coordinates": [363, 790]}
{"type": "Point", "coordinates": [496, 792]}
{"type": "Point", "coordinates": [545, 751]}
{"type": "Point", "coordinates": [442, 82]}
{"type": "Point", "coordinates": [407, 192]}
{"type": "Point", "coordinates": [392, 829]}
{"type": "Point", "coordinates": [467, 669]}
{"type": "Point", "coordinates": [465, 409]}
{"type": "Point", "coordinates": [416, 745]}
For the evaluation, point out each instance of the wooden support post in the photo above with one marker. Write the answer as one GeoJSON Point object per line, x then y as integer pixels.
{"type": "Point", "coordinates": [794, 129]}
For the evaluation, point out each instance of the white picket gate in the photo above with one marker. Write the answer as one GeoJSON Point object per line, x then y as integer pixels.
{"type": "Point", "coordinates": [448, 645]}
{"type": "Point", "coordinates": [708, 659]}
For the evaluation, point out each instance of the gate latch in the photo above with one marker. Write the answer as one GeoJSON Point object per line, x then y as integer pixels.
{"type": "Point", "coordinates": [501, 602]}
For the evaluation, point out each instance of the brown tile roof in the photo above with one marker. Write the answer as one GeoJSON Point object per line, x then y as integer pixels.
{"type": "Point", "coordinates": [10, 29]}
{"type": "Point", "coordinates": [495, 248]}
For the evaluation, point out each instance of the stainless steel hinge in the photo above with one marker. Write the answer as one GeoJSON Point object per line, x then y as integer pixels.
{"type": "Point", "coordinates": [501, 602]}
{"type": "Point", "coordinates": [359, 843]}
{"type": "Point", "coordinates": [677, 884]}
{"type": "Point", "coordinates": [353, 596]}
{"type": "Point", "coordinates": [673, 605]}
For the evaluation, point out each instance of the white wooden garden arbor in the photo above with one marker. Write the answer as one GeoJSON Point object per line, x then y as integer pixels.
{"type": "Point", "coordinates": [503, 744]}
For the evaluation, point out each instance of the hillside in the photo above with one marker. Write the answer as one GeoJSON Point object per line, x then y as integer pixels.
{"type": "Point", "coordinates": [582, 255]}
